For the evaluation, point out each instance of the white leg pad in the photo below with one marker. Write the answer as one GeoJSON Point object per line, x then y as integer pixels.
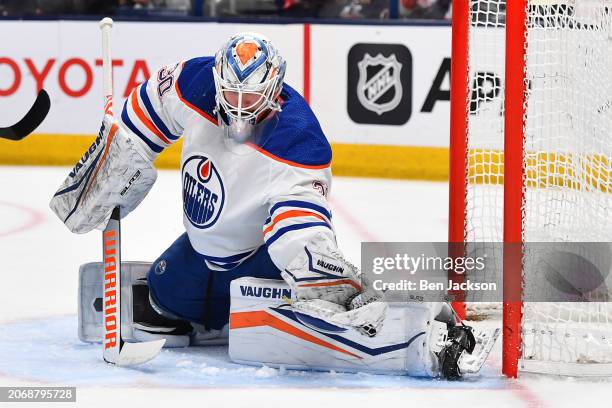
{"type": "Point", "coordinates": [264, 331]}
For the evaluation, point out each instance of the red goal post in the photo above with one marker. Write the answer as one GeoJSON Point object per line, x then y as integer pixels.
{"type": "Point", "coordinates": [514, 103]}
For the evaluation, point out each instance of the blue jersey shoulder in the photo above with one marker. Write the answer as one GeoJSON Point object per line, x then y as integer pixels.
{"type": "Point", "coordinates": [197, 85]}
{"type": "Point", "coordinates": [298, 137]}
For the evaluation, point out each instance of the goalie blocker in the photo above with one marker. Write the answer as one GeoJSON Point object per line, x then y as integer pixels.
{"type": "Point", "coordinates": [417, 339]}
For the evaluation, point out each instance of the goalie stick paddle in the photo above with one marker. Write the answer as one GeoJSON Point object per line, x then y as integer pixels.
{"type": "Point", "coordinates": [31, 120]}
{"type": "Point", "coordinates": [115, 350]}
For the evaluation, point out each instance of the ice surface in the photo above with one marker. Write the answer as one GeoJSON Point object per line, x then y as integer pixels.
{"type": "Point", "coordinates": [38, 302]}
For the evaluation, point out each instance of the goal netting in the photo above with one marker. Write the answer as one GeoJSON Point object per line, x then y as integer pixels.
{"type": "Point", "coordinates": [560, 101]}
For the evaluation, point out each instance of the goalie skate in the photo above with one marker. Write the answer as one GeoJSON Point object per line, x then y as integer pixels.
{"type": "Point", "coordinates": [485, 340]}
{"type": "Point", "coordinates": [465, 351]}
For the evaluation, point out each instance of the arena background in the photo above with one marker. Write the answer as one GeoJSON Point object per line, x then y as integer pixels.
{"type": "Point", "coordinates": [407, 138]}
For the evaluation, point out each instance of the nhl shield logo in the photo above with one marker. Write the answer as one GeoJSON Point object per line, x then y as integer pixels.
{"type": "Point", "coordinates": [203, 191]}
{"type": "Point", "coordinates": [379, 88]}
{"type": "Point", "coordinates": [379, 84]}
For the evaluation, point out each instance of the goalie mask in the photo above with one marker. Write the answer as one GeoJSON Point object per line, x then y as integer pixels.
{"type": "Point", "coordinates": [248, 76]}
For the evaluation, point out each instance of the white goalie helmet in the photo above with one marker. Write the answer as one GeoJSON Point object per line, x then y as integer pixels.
{"type": "Point", "coordinates": [248, 76]}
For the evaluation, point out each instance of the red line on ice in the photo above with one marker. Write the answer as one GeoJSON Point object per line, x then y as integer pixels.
{"type": "Point", "coordinates": [35, 218]}
{"type": "Point", "coordinates": [526, 395]}
{"type": "Point", "coordinates": [357, 225]}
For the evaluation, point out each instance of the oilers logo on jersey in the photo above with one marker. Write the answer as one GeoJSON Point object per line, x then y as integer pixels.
{"type": "Point", "coordinates": [203, 192]}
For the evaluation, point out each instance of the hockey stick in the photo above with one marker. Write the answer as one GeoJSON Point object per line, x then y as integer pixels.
{"type": "Point", "coordinates": [116, 351]}
{"type": "Point", "coordinates": [31, 120]}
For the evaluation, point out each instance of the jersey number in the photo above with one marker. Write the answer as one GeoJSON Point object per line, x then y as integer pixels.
{"type": "Point", "coordinates": [165, 80]}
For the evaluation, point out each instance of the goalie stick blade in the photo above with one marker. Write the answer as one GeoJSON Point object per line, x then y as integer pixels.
{"type": "Point", "coordinates": [34, 117]}
{"type": "Point", "coordinates": [138, 353]}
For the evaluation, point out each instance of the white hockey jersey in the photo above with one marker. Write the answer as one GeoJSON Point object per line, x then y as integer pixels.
{"type": "Point", "coordinates": [236, 197]}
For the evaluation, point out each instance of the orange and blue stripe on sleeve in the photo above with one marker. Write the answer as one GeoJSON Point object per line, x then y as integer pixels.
{"type": "Point", "coordinates": [292, 215]}
{"type": "Point", "coordinates": [158, 122]}
{"type": "Point", "coordinates": [140, 117]}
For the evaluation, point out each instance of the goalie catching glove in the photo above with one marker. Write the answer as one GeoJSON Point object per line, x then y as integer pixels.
{"type": "Point", "coordinates": [329, 293]}
{"type": "Point", "coordinates": [112, 173]}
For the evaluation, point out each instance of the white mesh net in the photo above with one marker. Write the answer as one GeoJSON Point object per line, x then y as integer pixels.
{"type": "Point", "coordinates": [484, 195]}
{"type": "Point", "coordinates": [568, 160]}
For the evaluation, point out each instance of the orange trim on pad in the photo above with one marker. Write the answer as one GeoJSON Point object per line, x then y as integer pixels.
{"type": "Point", "coordinates": [242, 320]}
{"type": "Point", "coordinates": [334, 283]}
{"type": "Point", "coordinates": [109, 140]}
